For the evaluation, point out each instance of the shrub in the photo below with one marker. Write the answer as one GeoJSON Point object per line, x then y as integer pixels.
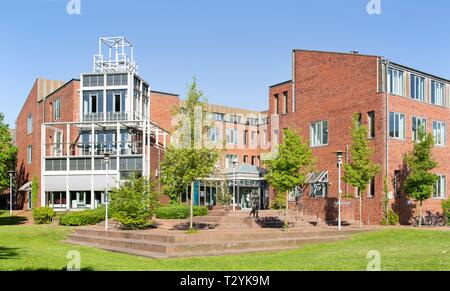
{"type": "Point", "coordinates": [446, 208]}
{"type": "Point", "coordinates": [179, 211]}
{"type": "Point", "coordinates": [200, 211]}
{"type": "Point", "coordinates": [43, 215]}
{"type": "Point", "coordinates": [175, 211]}
{"type": "Point", "coordinates": [392, 219]}
{"type": "Point", "coordinates": [134, 203]}
{"type": "Point", "coordinates": [81, 218]}
{"type": "Point", "coordinates": [279, 202]}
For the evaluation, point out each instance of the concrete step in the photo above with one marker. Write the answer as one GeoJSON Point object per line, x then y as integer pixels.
{"type": "Point", "coordinates": [186, 249]}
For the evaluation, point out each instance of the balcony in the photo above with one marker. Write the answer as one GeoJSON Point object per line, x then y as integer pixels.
{"type": "Point", "coordinates": [112, 116]}
{"type": "Point", "coordinates": [93, 149]}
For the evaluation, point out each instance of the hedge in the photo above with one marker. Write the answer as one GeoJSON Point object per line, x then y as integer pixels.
{"type": "Point", "coordinates": [446, 207]}
{"type": "Point", "coordinates": [43, 215]}
{"type": "Point", "coordinates": [81, 218]}
{"type": "Point", "coordinates": [179, 211]}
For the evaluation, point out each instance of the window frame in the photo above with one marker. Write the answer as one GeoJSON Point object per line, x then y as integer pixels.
{"type": "Point", "coordinates": [433, 97]}
{"type": "Point", "coordinates": [417, 87]}
{"type": "Point", "coordinates": [444, 129]}
{"type": "Point", "coordinates": [314, 143]}
{"type": "Point", "coordinates": [30, 124]}
{"type": "Point", "coordinates": [29, 154]}
{"type": "Point", "coordinates": [414, 135]}
{"type": "Point", "coordinates": [399, 137]}
{"type": "Point", "coordinates": [371, 124]}
{"type": "Point", "coordinates": [57, 109]}
{"type": "Point", "coordinates": [394, 84]}
{"type": "Point", "coordinates": [443, 188]}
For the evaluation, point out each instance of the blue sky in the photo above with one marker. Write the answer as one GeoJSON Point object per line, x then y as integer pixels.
{"type": "Point", "coordinates": [236, 49]}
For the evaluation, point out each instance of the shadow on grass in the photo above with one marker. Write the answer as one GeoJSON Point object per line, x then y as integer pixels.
{"type": "Point", "coordinates": [89, 269]}
{"type": "Point", "coordinates": [8, 253]}
{"type": "Point", "coordinates": [198, 226]}
{"type": "Point", "coordinates": [14, 220]}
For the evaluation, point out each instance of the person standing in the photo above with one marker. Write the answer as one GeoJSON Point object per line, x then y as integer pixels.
{"type": "Point", "coordinates": [255, 204]}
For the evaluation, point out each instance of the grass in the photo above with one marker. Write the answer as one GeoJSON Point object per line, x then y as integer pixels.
{"type": "Point", "coordinates": [41, 248]}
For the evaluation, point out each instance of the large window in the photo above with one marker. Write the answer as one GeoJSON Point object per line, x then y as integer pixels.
{"type": "Point", "coordinates": [214, 134]}
{"type": "Point", "coordinates": [117, 80]}
{"type": "Point", "coordinates": [318, 184]}
{"type": "Point", "coordinates": [371, 124]}
{"type": "Point", "coordinates": [93, 81]}
{"type": "Point", "coordinates": [30, 154]}
{"type": "Point", "coordinates": [285, 103]}
{"type": "Point", "coordinates": [439, 133]}
{"type": "Point", "coordinates": [319, 133]}
{"type": "Point", "coordinates": [229, 160]}
{"type": "Point", "coordinates": [417, 88]}
{"type": "Point", "coordinates": [417, 123]}
{"type": "Point", "coordinates": [115, 100]}
{"type": "Point", "coordinates": [57, 109]}
{"type": "Point", "coordinates": [437, 93]}
{"type": "Point", "coordinates": [396, 82]}
{"type": "Point", "coordinates": [371, 188]}
{"type": "Point", "coordinates": [30, 124]}
{"type": "Point", "coordinates": [440, 190]}
{"type": "Point", "coordinates": [92, 102]}
{"type": "Point", "coordinates": [218, 116]}
{"type": "Point", "coordinates": [277, 104]}
{"type": "Point", "coordinates": [397, 125]}
{"type": "Point", "coordinates": [232, 136]}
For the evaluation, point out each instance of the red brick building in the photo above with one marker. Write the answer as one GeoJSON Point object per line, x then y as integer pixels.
{"type": "Point", "coordinates": [327, 89]}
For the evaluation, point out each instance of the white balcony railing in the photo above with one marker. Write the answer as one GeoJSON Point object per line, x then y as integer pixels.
{"type": "Point", "coordinates": [112, 116]}
{"type": "Point", "coordinates": [93, 149]}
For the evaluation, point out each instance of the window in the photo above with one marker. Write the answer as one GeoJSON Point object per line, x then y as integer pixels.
{"type": "Point", "coordinates": [232, 136]}
{"type": "Point", "coordinates": [93, 81]}
{"type": "Point", "coordinates": [437, 93]}
{"type": "Point", "coordinates": [439, 133]}
{"type": "Point", "coordinates": [245, 159]}
{"type": "Point", "coordinates": [115, 100]}
{"type": "Point", "coordinates": [253, 160]}
{"type": "Point", "coordinates": [440, 191]}
{"type": "Point", "coordinates": [319, 184]}
{"type": "Point", "coordinates": [229, 160]}
{"type": "Point", "coordinates": [277, 105]}
{"type": "Point", "coordinates": [319, 134]}
{"type": "Point", "coordinates": [218, 116]}
{"type": "Point", "coordinates": [397, 125]}
{"type": "Point", "coordinates": [396, 82]}
{"type": "Point", "coordinates": [253, 138]}
{"type": "Point", "coordinates": [57, 109]}
{"type": "Point", "coordinates": [371, 188]}
{"type": "Point", "coordinates": [234, 118]}
{"type": "Point", "coordinates": [417, 88]}
{"type": "Point", "coordinates": [264, 139]}
{"type": "Point", "coordinates": [214, 134]}
{"type": "Point", "coordinates": [245, 137]}
{"type": "Point", "coordinates": [29, 154]}
{"type": "Point", "coordinates": [58, 146]}
{"type": "Point", "coordinates": [276, 139]}
{"type": "Point", "coordinates": [30, 124]}
{"type": "Point", "coordinates": [371, 124]}
{"type": "Point", "coordinates": [117, 80]}
{"type": "Point", "coordinates": [417, 123]}
{"type": "Point", "coordinates": [285, 103]}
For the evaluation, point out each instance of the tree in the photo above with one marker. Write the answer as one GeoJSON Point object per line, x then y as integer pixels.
{"type": "Point", "coordinates": [361, 170]}
{"type": "Point", "coordinates": [224, 197]}
{"type": "Point", "coordinates": [420, 182]}
{"type": "Point", "coordinates": [189, 160]}
{"type": "Point", "coordinates": [290, 167]}
{"type": "Point", "coordinates": [134, 203]}
{"type": "Point", "coordinates": [34, 192]}
{"type": "Point", "coordinates": [8, 154]}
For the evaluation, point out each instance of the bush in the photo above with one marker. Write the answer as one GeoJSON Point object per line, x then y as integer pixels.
{"type": "Point", "coordinates": [279, 202]}
{"type": "Point", "coordinates": [392, 218]}
{"type": "Point", "coordinates": [179, 211]}
{"type": "Point", "coordinates": [175, 211]}
{"type": "Point", "coordinates": [134, 204]}
{"type": "Point", "coordinates": [446, 208]}
{"type": "Point", "coordinates": [43, 215]}
{"type": "Point", "coordinates": [81, 218]}
{"type": "Point", "coordinates": [200, 211]}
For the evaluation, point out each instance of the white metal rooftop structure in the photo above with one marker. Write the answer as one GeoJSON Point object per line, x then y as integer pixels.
{"type": "Point", "coordinates": [119, 56]}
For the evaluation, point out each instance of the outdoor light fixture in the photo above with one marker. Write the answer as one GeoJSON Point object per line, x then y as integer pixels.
{"type": "Point", "coordinates": [106, 160]}
{"type": "Point", "coordinates": [339, 155]}
{"type": "Point", "coordinates": [11, 173]}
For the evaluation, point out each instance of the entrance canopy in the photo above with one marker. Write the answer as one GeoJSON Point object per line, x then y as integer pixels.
{"type": "Point", "coordinates": [26, 187]}
{"type": "Point", "coordinates": [245, 171]}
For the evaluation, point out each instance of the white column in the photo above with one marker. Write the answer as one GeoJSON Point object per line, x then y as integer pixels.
{"type": "Point", "coordinates": [67, 167]}
{"type": "Point", "coordinates": [43, 150]}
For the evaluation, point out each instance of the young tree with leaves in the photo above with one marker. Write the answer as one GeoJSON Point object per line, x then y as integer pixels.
{"type": "Point", "coordinates": [8, 154]}
{"type": "Point", "coordinates": [361, 170]}
{"type": "Point", "coordinates": [290, 167]}
{"type": "Point", "coordinates": [420, 182]}
{"type": "Point", "coordinates": [189, 160]}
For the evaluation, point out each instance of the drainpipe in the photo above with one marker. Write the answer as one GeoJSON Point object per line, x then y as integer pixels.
{"type": "Point", "coordinates": [386, 89]}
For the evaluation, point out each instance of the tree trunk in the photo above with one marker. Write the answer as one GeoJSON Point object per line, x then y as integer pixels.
{"type": "Point", "coordinates": [360, 210]}
{"type": "Point", "coordinates": [191, 219]}
{"type": "Point", "coordinates": [286, 221]}
{"type": "Point", "coordinates": [420, 214]}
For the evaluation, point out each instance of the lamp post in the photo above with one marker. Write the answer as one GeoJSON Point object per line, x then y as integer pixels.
{"type": "Point", "coordinates": [339, 155]}
{"type": "Point", "coordinates": [107, 160]}
{"type": "Point", "coordinates": [235, 163]}
{"type": "Point", "coordinates": [11, 175]}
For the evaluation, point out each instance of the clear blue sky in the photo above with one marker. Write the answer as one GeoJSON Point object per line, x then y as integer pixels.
{"type": "Point", "coordinates": [235, 48]}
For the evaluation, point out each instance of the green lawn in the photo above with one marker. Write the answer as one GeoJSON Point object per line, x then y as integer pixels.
{"type": "Point", "coordinates": [40, 247]}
